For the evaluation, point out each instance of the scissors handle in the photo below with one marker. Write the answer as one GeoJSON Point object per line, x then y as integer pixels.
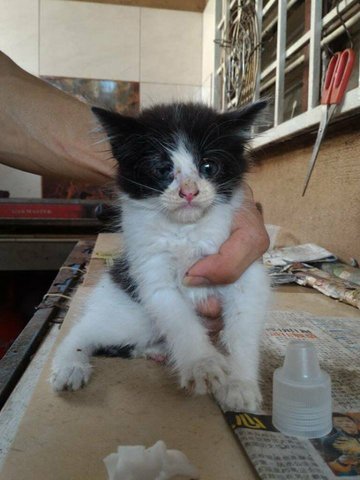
{"type": "Point", "coordinates": [337, 76]}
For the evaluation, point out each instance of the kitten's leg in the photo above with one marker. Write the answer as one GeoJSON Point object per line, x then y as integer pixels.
{"type": "Point", "coordinates": [200, 366]}
{"type": "Point", "coordinates": [110, 318]}
{"type": "Point", "coordinates": [244, 310]}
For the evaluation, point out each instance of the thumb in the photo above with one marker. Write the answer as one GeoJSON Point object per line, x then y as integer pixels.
{"type": "Point", "coordinates": [217, 269]}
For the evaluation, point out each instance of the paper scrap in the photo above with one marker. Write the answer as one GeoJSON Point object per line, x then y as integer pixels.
{"type": "Point", "coordinates": [308, 252]}
{"type": "Point", "coordinates": [136, 462]}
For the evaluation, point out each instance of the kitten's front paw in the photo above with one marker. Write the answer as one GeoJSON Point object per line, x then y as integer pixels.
{"type": "Point", "coordinates": [70, 376]}
{"type": "Point", "coordinates": [239, 395]}
{"type": "Point", "coordinates": [205, 374]}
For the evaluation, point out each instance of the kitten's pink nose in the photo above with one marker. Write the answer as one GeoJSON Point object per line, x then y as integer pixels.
{"type": "Point", "coordinates": [188, 190]}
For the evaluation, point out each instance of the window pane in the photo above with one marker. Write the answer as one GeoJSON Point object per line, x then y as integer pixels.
{"type": "Point", "coordinates": [296, 84]}
{"type": "Point", "coordinates": [298, 21]}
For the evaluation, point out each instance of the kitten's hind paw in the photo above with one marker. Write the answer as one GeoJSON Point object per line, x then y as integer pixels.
{"type": "Point", "coordinates": [204, 375]}
{"type": "Point", "coordinates": [239, 396]}
{"type": "Point", "coordinates": [70, 376]}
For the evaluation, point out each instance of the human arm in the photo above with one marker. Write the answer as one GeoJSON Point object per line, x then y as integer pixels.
{"type": "Point", "coordinates": [47, 132]}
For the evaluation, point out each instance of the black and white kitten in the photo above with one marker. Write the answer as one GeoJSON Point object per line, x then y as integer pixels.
{"type": "Point", "coordinates": [180, 173]}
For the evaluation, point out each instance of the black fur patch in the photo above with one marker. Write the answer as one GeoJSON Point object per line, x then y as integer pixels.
{"type": "Point", "coordinates": [115, 351]}
{"type": "Point", "coordinates": [121, 276]}
{"type": "Point", "coordinates": [141, 144]}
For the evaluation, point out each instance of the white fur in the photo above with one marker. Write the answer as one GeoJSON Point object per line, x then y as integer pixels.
{"type": "Point", "coordinates": [160, 246]}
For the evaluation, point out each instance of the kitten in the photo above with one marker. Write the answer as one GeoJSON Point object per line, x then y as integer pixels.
{"type": "Point", "coordinates": [180, 173]}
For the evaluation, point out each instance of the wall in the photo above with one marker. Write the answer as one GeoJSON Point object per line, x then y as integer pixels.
{"type": "Point", "coordinates": [329, 214]}
{"type": "Point", "coordinates": [19, 38]}
{"type": "Point", "coordinates": [160, 49]}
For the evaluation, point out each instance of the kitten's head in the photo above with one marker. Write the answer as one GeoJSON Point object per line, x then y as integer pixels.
{"type": "Point", "coordinates": [182, 158]}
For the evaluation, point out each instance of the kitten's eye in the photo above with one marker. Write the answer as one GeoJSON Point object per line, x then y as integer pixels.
{"type": "Point", "coordinates": [208, 168]}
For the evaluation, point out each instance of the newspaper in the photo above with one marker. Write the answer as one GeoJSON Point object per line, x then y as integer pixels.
{"type": "Point", "coordinates": [278, 457]}
{"type": "Point", "coordinates": [306, 253]}
{"type": "Point", "coordinates": [313, 266]}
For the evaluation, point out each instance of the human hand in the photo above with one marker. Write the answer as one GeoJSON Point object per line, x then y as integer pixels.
{"type": "Point", "coordinates": [247, 242]}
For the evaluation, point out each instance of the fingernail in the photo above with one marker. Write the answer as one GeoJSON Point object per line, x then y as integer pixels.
{"type": "Point", "coordinates": [192, 281]}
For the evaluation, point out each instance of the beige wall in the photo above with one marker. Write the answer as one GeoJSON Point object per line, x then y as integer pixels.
{"type": "Point", "coordinates": [89, 40]}
{"type": "Point", "coordinates": [19, 38]}
{"type": "Point", "coordinates": [19, 32]}
{"type": "Point", "coordinates": [161, 49]}
{"type": "Point", "coordinates": [170, 56]}
{"type": "Point", "coordinates": [18, 183]}
{"type": "Point", "coordinates": [329, 214]}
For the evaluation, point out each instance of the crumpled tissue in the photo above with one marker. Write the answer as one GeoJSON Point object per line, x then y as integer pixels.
{"type": "Point", "coordinates": [154, 463]}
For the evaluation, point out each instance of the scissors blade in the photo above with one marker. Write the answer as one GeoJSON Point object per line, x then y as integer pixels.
{"type": "Point", "coordinates": [320, 135]}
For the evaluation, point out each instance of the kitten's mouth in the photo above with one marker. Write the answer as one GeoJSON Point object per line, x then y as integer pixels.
{"type": "Point", "coordinates": [189, 206]}
{"type": "Point", "coordinates": [188, 212]}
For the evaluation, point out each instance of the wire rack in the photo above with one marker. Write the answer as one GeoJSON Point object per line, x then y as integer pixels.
{"type": "Point", "coordinates": [240, 57]}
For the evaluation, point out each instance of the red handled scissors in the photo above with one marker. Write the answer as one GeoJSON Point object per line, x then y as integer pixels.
{"type": "Point", "coordinates": [336, 80]}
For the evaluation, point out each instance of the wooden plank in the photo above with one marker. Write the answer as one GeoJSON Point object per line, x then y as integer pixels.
{"type": "Point", "coordinates": [187, 5]}
{"type": "Point", "coordinates": [131, 402]}
{"type": "Point", "coordinates": [17, 358]}
{"type": "Point", "coordinates": [128, 402]}
{"type": "Point", "coordinates": [12, 412]}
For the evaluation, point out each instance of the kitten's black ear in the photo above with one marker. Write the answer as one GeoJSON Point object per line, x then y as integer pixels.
{"type": "Point", "coordinates": [118, 129]}
{"type": "Point", "coordinates": [117, 125]}
{"type": "Point", "coordinates": [241, 121]}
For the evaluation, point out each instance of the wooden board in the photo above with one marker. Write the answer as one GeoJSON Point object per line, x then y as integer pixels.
{"type": "Point", "coordinates": [65, 436]}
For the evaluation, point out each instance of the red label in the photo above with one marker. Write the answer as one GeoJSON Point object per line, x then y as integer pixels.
{"type": "Point", "coordinates": [40, 210]}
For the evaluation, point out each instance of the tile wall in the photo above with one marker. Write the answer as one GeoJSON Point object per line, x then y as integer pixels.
{"type": "Point", "coordinates": [19, 38]}
{"type": "Point", "coordinates": [161, 49]}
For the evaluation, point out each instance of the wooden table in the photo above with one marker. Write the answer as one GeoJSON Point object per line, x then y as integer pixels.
{"type": "Point", "coordinates": [65, 437]}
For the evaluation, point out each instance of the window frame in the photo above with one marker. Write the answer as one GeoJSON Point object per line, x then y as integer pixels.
{"type": "Point", "coordinates": [276, 70]}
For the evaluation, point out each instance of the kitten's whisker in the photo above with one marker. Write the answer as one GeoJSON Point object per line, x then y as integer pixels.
{"type": "Point", "coordinates": [163, 144]}
{"type": "Point", "coordinates": [207, 134]}
{"type": "Point", "coordinates": [217, 138]}
{"type": "Point", "coordinates": [231, 182]}
{"type": "Point", "coordinates": [140, 184]}
{"type": "Point", "coordinates": [220, 153]}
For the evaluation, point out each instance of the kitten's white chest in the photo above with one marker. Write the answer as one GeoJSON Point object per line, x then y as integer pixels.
{"type": "Point", "coordinates": [189, 245]}
{"type": "Point", "coordinates": [155, 244]}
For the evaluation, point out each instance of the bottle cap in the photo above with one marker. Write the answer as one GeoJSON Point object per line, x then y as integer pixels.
{"type": "Point", "coordinates": [302, 393]}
